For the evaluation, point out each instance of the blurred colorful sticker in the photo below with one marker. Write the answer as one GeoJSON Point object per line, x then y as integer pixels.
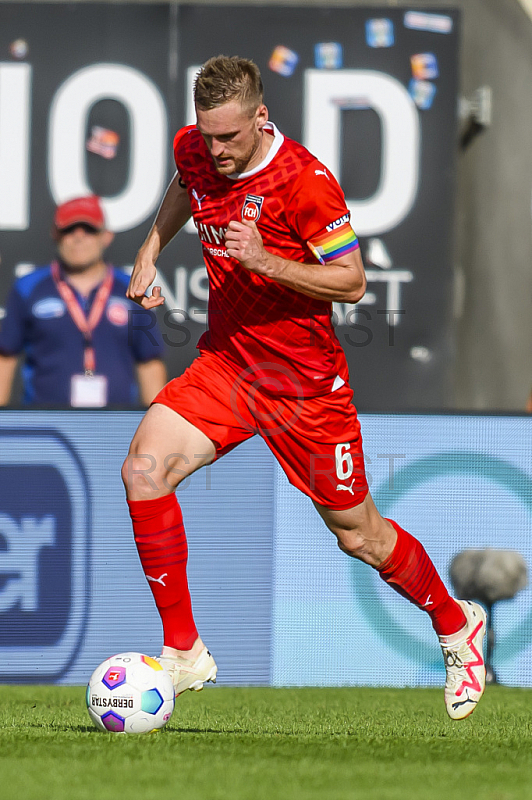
{"type": "Point", "coordinates": [419, 20]}
{"type": "Point", "coordinates": [283, 60]}
{"type": "Point", "coordinates": [422, 93]}
{"type": "Point", "coordinates": [328, 55]}
{"type": "Point", "coordinates": [424, 66]}
{"type": "Point", "coordinates": [19, 48]}
{"type": "Point", "coordinates": [379, 32]}
{"type": "Point", "coordinates": [103, 142]}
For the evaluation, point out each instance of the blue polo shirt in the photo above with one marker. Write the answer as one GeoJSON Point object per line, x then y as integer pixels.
{"type": "Point", "coordinates": [38, 324]}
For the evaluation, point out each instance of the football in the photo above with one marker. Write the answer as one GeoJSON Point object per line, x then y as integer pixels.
{"type": "Point", "coordinates": [130, 693]}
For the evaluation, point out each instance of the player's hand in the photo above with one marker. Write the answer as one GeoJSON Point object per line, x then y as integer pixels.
{"type": "Point", "coordinates": [143, 275]}
{"type": "Point", "coordinates": [244, 242]}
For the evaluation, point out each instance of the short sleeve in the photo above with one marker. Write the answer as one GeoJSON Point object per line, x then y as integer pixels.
{"type": "Point", "coordinates": [12, 327]}
{"type": "Point", "coordinates": [178, 141]}
{"type": "Point", "coordinates": [146, 339]}
{"type": "Point", "coordinates": [317, 210]}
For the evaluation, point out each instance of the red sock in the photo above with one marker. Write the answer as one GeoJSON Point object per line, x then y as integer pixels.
{"type": "Point", "coordinates": [162, 545]}
{"type": "Point", "coordinates": [409, 571]}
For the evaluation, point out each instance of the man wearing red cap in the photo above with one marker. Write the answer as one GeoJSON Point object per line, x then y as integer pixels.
{"type": "Point", "coordinates": [84, 343]}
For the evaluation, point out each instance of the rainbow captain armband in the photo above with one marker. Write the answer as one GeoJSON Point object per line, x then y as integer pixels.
{"type": "Point", "coordinates": [334, 244]}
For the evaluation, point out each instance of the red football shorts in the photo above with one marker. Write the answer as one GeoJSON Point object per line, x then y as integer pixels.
{"type": "Point", "coordinates": [317, 440]}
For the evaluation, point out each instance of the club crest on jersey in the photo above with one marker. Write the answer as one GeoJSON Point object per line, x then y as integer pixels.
{"type": "Point", "coordinates": [252, 207]}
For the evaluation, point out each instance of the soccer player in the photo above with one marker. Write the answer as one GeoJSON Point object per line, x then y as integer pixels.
{"type": "Point", "coordinates": [279, 249]}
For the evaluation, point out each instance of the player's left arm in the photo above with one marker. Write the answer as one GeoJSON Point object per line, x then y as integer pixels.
{"type": "Point", "coordinates": [341, 280]}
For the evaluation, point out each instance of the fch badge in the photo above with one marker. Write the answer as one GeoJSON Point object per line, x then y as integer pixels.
{"type": "Point", "coordinates": [252, 207]}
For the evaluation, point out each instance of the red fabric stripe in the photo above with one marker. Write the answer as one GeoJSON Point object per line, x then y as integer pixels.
{"type": "Point", "coordinates": [150, 567]}
{"type": "Point", "coordinates": [161, 539]}
{"type": "Point", "coordinates": [160, 564]}
{"type": "Point", "coordinates": [152, 552]}
{"type": "Point", "coordinates": [163, 552]}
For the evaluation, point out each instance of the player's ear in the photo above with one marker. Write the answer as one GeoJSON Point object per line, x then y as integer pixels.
{"type": "Point", "coordinates": [261, 116]}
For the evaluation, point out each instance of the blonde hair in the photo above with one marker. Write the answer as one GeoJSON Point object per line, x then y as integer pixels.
{"type": "Point", "coordinates": [225, 78]}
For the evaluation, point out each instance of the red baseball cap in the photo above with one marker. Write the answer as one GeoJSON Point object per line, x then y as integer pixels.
{"type": "Point", "coordinates": [80, 209]}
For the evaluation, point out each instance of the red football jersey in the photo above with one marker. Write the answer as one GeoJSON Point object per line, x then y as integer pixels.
{"type": "Point", "coordinates": [277, 337]}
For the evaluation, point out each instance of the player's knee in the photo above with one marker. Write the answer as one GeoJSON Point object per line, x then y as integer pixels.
{"type": "Point", "coordinates": [370, 542]}
{"type": "Point", "coordinates": [142, 476]}
{"type": "Point", "coordinates": [352, 543]}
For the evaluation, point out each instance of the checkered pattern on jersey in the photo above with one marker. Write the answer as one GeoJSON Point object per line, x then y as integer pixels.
{"type": "Point", "coordinates": [252, 318]}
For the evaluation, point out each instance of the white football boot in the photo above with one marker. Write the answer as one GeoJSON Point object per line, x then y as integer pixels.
{"type": "Point", "coordinates": [464, 663]}
{"type": "Point", "coordinates": [188, 674]}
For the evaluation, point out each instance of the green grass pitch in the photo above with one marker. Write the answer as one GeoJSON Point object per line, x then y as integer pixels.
{"type": "Point", "coordinates": [271, 744]}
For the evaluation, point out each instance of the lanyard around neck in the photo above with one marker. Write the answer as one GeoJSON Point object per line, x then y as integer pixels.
{"type": "Point", "coordinates": [85, 324]}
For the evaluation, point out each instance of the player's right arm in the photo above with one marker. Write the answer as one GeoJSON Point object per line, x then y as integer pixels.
{"type": "Point", "coordinates": [174, 212]}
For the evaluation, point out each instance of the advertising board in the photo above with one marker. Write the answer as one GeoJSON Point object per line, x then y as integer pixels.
{"type": "Point", "coordinates": [274, 598]}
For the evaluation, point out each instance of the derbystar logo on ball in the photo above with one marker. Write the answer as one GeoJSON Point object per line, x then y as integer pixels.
{"type": "Point", "coordinates": [252, 207]}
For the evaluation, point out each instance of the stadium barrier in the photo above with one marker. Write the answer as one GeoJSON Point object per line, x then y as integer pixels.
{"type": "Point", "coordinates": [274, 598]}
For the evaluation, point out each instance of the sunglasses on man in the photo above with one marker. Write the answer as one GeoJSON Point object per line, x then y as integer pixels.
{"type": "Point", "coordinates": [90, 229]}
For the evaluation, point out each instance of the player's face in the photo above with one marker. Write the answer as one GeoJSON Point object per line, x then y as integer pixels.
{"type": "Point", "coordinates": [81, 247]}
{"type": "Point", "coordinates": [233, 136]}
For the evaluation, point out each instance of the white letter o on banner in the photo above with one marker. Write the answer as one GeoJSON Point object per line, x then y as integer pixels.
{"type": "Point", "coordinates": [68, 121]}
{"type": "Point", "coordinates": [326, 93]}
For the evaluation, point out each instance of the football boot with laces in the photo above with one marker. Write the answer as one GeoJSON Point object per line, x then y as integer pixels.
{"type": "Point", "coordinates": [464, 663]}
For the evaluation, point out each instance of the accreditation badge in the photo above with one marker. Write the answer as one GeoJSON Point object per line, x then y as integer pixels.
{"type": "Point", "coordinates": [88, 391]}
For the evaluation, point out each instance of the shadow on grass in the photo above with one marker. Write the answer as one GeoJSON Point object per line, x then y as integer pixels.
{"type": "Point", "coordinates": [164, 731]}
{"type": "Point", "coordinates": [205, 730]}
{"type": "Point", "coordinates": [58, 727]}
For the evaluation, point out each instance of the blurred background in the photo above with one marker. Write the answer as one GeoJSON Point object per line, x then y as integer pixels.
{"type": "Point", "coordinates": [424, 113]}
{"type": "Point", "coordinates": [434, 158]}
